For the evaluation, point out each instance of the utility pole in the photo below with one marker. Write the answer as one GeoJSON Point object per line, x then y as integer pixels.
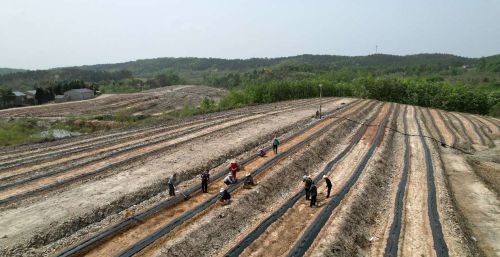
{"type": "Point", "coordinates": [320, 86]}
{"type": "Point", "coordinates": [376, 49]}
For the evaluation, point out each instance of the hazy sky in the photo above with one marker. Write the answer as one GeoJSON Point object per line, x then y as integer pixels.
{"type": "Point", "coordinates": [39, 34]}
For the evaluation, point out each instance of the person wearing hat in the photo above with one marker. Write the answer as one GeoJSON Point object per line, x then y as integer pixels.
{"type": "Point", "coordinates": [248, 181]}
{"type": "Point", "coordinates": [313, 191]}
{"type": "Point", "coordinates": [328, 185]}
{"type": "Point", "coordinates": [225, 196]}
{"type": "Point", "coordinates": [307, 185]}
{"type": "Point", "coordinates": [229, 179]}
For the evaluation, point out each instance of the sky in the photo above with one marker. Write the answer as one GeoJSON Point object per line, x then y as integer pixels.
{"type": "Point", "coordinates": [36, 34]}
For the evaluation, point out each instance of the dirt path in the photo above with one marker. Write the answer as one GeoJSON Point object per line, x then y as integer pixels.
{"type": "Point", "coordinates": [102, 196]}
{"type": "Point", "coordinates": [479, 204]}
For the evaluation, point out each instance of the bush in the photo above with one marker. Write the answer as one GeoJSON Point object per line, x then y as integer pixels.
{"type": "Point", "coordinates": [18, 132]}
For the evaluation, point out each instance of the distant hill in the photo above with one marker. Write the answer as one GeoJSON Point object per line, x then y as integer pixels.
{"type": "Point", "coordinates": [9, 70]}
{"type": "Point", "coordinates": [196, 70]}
{"type": "Point", "coordinates": [490, 63]}
{"type": "Point", "coordinates": [150, 67]}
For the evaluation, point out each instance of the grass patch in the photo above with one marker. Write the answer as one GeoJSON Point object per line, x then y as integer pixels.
{"type": "Point", "coordinates": [15, 132]}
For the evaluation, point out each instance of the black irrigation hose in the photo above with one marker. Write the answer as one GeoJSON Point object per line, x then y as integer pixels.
{"type": "Point", "coordinates": [312, 231]}
{"type": "Point", "coordinates": [264, 225]}
{"type": "Point", "coordinates": [102, 169]}
{"type": "Point", "coordinates": [476, 129]}
{"type": "Point", "coordinates": [198, 209]}
{"type": "Point", "coordinates": [437, 232]}
{"type": "Point", "coordinates": [447, 125]}
{"type": "Point", "coordinates": [462, 127]}
{"type": "Point", "coordinates": [114, 152]}
{"type": "Point", "coordinates": [157, 129]}
{"type": "Point", "coordinates": [110, 232]}
{"type": "Point", "coordinates": [486, 130]}
{"type": "Point", "coordinates": [433, 123]}
{"type": "Point", "coordinates": [107, 167]}
{"type": "Point", "coordinates": [117, 152]}
{"type": "Point", "coordinates": [63, 152]}
{"type": "Point", "coordinates": [391, 247]}
{"type": "Point", "coordinates": [442, 143]}
{"type": "Point", "coordinates": [96, 143]}
{"type": "Point", "coordinates": [482, 123]}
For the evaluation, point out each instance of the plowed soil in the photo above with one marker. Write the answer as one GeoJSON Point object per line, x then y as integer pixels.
{"type": "Point", "coordinates": [118, 175]}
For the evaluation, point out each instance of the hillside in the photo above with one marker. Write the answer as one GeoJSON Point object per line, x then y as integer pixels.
{"type": "Point", "coordinates": [148, 67]}
{"type": "Point", "coordinates": [431, 80]}
{"type": "Point", "coordinates": [9, 70]}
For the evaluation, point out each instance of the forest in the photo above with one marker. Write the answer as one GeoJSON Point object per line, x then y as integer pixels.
{"type": "Point", "coordinates": [432, 80]}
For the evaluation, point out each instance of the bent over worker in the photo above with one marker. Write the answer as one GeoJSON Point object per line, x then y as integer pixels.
{"type": "Point", "coordinates": [172, 182]}
{"type": "Point", "coordinates": [225, 196]}
{"type": "Point", "coordinates": [328, 185]}
{"type": "Point", "coordinates": [248, 181]}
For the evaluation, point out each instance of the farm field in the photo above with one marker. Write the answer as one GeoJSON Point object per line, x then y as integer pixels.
{"type": "Point", "coordinates": [148, 102]}
{"type": "Point", "coordinates": [407, 181]}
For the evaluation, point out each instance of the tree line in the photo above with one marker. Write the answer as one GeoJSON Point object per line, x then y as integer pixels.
{"type": "Point", "coordinates": [421, 92]}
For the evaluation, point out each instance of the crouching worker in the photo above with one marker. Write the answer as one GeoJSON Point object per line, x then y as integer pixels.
{"type": "Point", "coordinates": [262, 152]}
{"type": "Point", "coordinates": [248, 181]}
{"type": "Point", "coordinates": [225, 197]}
{"type": "Point", "coordinates": [229, 179]}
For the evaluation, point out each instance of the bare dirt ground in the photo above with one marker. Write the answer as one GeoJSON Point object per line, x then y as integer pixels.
{"type": "Point", "coordinates": [477, 202]}
{"type": "Point", "coordinates": [70, 206]}
{"type": "Point", "coordinates": [155, 101]}
{"type": "Point", "coordinates": [449, 199]}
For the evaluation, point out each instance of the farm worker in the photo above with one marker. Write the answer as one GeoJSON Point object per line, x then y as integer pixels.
{"type": "Point", "coordinates": [229, 179]}
{"type": "Point", "coordinates": [262, 152]}
{"type": "Point", "coordinates": [328, 185]}
{"type": "Point", "coordinates": [248, 181]}
{"type": "Point", "coordinates": [317, 114]}
{"type": "Point", "coordinates": [234, 167]}
{"type": "Point", "coordinates": [172, 182]}
{"type": "Point", "coordinates": [205, 177]}
{"type": "Point", "coordinates": [276, 142]}
{"type": "Point", "coordinates": [314, 192]}
{"type": "Point", "coordinates": [307, 185]}
{"type": "Point", "coordinates": [225, 197]}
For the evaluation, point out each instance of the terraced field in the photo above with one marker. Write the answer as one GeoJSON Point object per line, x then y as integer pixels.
{"type": "Point", "coordinates": [407, 181]}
